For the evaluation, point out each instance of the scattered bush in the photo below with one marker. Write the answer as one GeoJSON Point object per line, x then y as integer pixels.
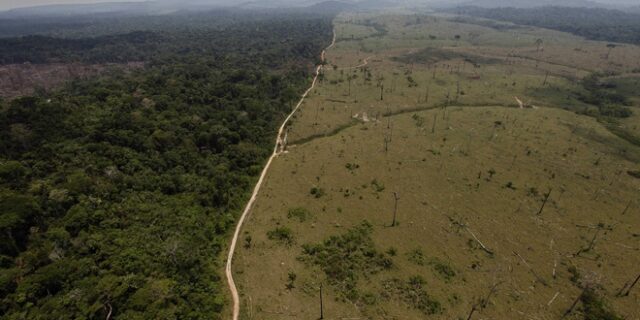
{"type": "Point", "coordinates": [291, 280]}
{"type": "Point", "coordinates": [300, 214]}
{"type": "Point", "coordinates": [317, 192]}
{"type": "Point", "coordinates": [283, 235]}
{"type": "Point", "coordinates": [413, 293]}
{"type": "Point", "coordinates": [352, 166]}
{"type": "Point", "coordinates": [346, 258]}
{"type": "Point", "coordinates": [444, 270]}
{"type": "Point", "coordinates": [247, 241]}
{"type": "Point", "coordinates": [416, 256]}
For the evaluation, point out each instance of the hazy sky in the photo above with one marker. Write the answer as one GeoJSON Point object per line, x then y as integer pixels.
{"type": "Point", "coordinates": [9, 4]}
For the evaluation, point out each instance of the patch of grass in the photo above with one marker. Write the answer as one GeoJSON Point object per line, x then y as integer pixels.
{"type": "Point", "coordinates": [413, 293]}
{"type": "Point", "coordinates": [377, 186]}
{"type": "Point", "coordinates": [443, 269]}
{"type": "Point", "coordinates": [347, 258]}
{"type": "Point", "coordinates": [416, 256]}
{"type": "Point", "coordinates": [283, 235]}
{"type": "Point", "coordinates": [300, 214]}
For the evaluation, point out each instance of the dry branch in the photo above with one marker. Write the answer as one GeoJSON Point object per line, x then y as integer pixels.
{"type": "Point", "coordinates": [540, 279]}
{"type": "Point", "coordinates": [479, 242]}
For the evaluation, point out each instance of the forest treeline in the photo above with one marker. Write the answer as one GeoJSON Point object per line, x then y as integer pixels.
{"type": "Point", "coordinates": [117, 193]}
{"type": "Point", "coordinates": [249, 41]}
{"type": "Point", "coordinates": [591, 23]}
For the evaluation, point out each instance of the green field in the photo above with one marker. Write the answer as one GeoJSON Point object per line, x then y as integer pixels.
{"type": "Point", "coordinates": [502, 212]}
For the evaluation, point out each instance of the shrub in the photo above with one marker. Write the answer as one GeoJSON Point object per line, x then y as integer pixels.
{"type": "Point", "coordinates": [291, 280]}
{"type": "Point", "coordinates": [283, 235]}
{"type": "Point", "coordinates": [317, 192]}
{"type": "Point", "coordinates": [595, 308]}
{"type": "Point", "coordinates": [377, 186]}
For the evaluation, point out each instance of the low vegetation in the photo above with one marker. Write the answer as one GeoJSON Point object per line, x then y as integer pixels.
{"type": "Point", "coordinates": [283, 235]}
{"type": "Point", "coordinates": [347, 259]}
{"type": "Point", "coordinates": [413, 293]}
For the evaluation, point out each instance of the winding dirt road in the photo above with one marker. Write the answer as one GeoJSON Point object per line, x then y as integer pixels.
{"type": "Point", "coordinates": [277, 150]}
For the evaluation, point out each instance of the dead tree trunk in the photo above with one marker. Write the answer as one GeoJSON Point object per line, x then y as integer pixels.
{"type": "Point", "coordinates": [546, 198]}
{"type": "Point", "coordinates": [573, 305]}
{"type": "Point", "coordinates": [624, 292]}
{"type": "Point", "coordinates": [591, 244]}
{"type": "Point", "coordinates": [483, 302]}
{"type": "Point", "coordinates": [395, 208]}
{"type": "Point", "coordinates": [433, 128]}
{"type": "Point", "coordinates": [321, 304]}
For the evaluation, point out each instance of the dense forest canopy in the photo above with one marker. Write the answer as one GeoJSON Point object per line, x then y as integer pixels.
{"type": "Point", "coordinates": [117, 193]}
{"type": "Point", "coordinates": [591, 23]}
{"type": "Point", "coordinates": [113, 23]}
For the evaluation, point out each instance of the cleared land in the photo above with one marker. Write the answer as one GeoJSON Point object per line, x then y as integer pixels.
{"type": "Point", "coordinates": [508, 212]}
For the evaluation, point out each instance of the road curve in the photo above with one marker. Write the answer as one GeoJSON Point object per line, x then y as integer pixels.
{"type": "Point", "coordinates": [276, 151]}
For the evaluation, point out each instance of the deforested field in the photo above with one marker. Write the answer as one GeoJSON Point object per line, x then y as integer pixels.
{"type": "Point", "coordinates": [453, 169]}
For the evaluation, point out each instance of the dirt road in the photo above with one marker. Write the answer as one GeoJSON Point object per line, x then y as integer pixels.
{"type": "Point", "coordinates": [276, 151]}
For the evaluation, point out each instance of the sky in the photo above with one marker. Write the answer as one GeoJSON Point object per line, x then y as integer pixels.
{"type": "Point", "coordinates": [10, 4]}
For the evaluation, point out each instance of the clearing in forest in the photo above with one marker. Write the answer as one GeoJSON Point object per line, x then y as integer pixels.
{"type": "Point", "coordinates": [450, 200]}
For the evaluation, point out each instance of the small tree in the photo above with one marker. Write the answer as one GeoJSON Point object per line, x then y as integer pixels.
{"type": "Point", "coordinates": [538, 44]}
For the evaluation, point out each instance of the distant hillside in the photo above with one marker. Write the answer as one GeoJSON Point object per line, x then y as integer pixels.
{"type": "Point", "coordinates": [532, 4]}
{"type": "Point", "coordinates": [331, 6]}
{"type": "Point", "coordinates": [592, 23]}
{"type": "Point", "coordinates": [521, 4]}
{"type": "Point", "coordinates": [128, 8]}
